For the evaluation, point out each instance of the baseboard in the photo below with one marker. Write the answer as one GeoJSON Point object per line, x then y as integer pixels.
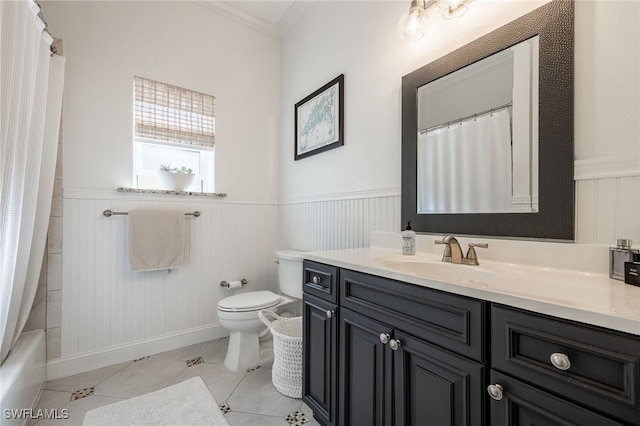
{"type": "Point", "coordinates": [80, 363]}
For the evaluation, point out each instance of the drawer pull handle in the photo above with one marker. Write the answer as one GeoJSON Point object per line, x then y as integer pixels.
{"type": "Point", "coordinates": [316, 279]}
{"type": "Point", "coordinates": [330, 313]}
{"type": "Point", "coordinates": [560, 361]}
{"type": "Point", "coordinates": [395, 344]}
{"type": "Point", "coordinates": [384, 338]}
{"type": "Point", "coordinates": [495, 391]}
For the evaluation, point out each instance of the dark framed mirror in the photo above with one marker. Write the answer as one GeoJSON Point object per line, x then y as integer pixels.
{"type": "Point", "coordinates": [552, 26]}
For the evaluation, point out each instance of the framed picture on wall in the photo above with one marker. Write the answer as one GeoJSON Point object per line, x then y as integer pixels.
{"type": "Point", "coordinates": [319, 120]}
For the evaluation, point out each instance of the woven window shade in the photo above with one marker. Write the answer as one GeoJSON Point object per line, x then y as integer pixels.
{"type": "Point", "coordinates": [173, 114]}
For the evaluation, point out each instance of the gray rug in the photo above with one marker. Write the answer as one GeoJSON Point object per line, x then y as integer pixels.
{"type": "Point", "coordinates": [186, 403]}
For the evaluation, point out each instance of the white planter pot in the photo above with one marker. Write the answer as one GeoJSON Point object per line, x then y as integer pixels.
{"type": "Point", "coordinates": [176, 181]}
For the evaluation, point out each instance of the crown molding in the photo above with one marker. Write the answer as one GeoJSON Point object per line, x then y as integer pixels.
{"type": "Point", "coordinates": [295, 11]}
{"type": "Point", "coordinates": [240, 16]}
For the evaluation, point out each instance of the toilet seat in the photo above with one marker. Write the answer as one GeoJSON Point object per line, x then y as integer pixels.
{"type": "Point", "coordinates": [250, 301]}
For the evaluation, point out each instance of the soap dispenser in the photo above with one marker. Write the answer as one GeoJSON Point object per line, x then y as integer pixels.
{"type": "Point", "coordinates": [408, 240]}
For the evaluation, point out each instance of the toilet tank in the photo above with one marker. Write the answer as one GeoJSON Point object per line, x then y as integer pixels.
{"type": "Point", "coordinates": [290, 272]}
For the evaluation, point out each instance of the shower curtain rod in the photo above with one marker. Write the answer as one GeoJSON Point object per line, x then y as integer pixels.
{"type": "Point", "coordinates": [46, 26]}
{"type": "Point", "coordinates": [461, 119]}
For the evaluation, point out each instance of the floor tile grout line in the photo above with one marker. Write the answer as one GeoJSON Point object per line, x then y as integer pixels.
{"type": "Point", "coordinates": [157, 355]}
{"type": "Point", "coordinates": [244, 376]}
{"type": "Point", "coordinates": [86, 372]}
{"type": "Point", "coordinates": [179, 374]}
{"type": "Point", "coordinates": [114, 373]}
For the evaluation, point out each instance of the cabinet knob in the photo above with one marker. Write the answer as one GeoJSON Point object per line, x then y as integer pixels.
{"type": "Point", "coordinates": [395, 344]}
{"type": "Point", "coordinates": [495, 391]}
{"type": "Point", "coordinates": [330, 313]}
{"type": "Point", "coordinates": [560, 361]}
{"type": "Point", "coordinates": [316, 279]}
{"type": "Point", "coordinates": [384, 338]}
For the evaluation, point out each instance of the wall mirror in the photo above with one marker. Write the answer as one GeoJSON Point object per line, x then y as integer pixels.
{"type": "Point", "coordinates": [487, 133]}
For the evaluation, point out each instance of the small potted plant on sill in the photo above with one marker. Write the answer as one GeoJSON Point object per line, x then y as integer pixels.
{"type": "Point", "coordinates": [175, 179]}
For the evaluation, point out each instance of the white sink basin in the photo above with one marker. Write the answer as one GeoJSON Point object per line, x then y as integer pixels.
{"type": "Point", "coordinates": [441, 270]}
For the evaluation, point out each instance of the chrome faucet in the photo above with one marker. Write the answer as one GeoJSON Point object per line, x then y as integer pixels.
{"type": "Point", "coordinates": [453, 252]}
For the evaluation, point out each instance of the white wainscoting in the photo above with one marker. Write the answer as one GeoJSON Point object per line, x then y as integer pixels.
{"type": "Point", "coordinates": [608, 199]}
{"type": "Point", "coordinates": [106, 305]}
{"type": "Point", "coordinates": [343, 221]}
{"type": "Point", "coordinates": [607, 206]}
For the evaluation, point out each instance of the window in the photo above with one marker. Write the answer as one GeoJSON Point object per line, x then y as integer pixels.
{"type": "Point", "coordinates": [172, 126]}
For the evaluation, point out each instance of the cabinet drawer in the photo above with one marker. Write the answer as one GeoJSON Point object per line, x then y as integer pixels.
{"type": "Point", "coordinates": [320, 280]}
{"type": "Point", "coordinates": [524, 405]}
{"type": "Point", "coordinates": [453, 322]}
{"type": "Point", "coordinates": [603, 366]}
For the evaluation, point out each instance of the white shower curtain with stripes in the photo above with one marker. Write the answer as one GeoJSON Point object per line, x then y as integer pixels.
{"type": "Point", "coordinates": [31, 83]}
{"type": "Point", "coordinates": [466, 167]}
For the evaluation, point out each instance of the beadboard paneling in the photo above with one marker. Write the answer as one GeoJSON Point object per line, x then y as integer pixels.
{"type": "Point", "coordinates": [105, 304]}
{"type": "Point", "coordinates": [607, 209]}
{"type": "Point", "coordinates": [337, 224]}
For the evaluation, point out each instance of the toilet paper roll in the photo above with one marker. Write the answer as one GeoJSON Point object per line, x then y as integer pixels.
{"type": "Point", "coordinates": [235, 284]}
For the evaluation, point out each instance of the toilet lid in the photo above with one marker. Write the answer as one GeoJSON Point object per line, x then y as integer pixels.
{"type": "Point", "coordinates": [250, 301]}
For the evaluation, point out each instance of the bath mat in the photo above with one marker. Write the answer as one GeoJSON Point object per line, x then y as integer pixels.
{"type": "Point", "coordinates": [186, 403]}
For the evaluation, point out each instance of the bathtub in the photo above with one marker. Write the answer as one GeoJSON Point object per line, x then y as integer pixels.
{"type": "Point", "coordinates": [22, 377]}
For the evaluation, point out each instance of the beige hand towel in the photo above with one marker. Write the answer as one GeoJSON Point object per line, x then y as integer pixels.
{"type": "Point", "coordinates": [156, 240]}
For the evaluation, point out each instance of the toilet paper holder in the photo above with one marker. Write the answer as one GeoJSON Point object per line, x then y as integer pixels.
{"type": "Point", "coordinates": [226, 284]}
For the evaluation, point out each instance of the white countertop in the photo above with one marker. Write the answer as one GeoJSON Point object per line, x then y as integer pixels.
{"type": "Point", "coordinates": [587, 297]}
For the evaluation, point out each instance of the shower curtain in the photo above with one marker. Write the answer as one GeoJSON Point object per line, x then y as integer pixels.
{"type": "Point", "coordinates": [478, 181]}
{"type": "Point", "coordinates": [31, 83]}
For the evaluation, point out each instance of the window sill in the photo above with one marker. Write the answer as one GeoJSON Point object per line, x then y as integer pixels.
{"type": "Point", "coordinates": [169, 192]}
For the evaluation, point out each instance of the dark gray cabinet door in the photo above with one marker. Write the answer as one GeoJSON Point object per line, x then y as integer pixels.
{"type": "Point", "coordinates": [365, 375]}
{"type": "Point", "coordinates": [435, 387]}
{"type": "Point", "coordinates": [319, 354]}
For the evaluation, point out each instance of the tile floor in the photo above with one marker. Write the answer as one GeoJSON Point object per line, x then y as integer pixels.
{"type": "Point", "coordinates": [247, 398]}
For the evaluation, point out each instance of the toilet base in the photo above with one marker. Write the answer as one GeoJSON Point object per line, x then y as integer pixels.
{"type": "Point", "coordinates": [244, 352]}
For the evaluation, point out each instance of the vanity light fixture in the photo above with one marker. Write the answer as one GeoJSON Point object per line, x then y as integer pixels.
{"type": "Point", "coordinates": [415, 22]}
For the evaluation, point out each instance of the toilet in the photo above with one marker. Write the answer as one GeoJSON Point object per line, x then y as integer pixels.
{"type": "Point", "coordinates": [239, 313]}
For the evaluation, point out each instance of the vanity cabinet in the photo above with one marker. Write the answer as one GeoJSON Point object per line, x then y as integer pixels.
{"type": "Point", "coordinates": [383, 352]}
{"type": "Point", "coordinates": [406, 355]}
{"type": "Point", "coordinates": [575, 371]}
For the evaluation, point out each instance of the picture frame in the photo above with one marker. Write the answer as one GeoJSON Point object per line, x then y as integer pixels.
{"type": "Point", "coordinates": [319, 120]}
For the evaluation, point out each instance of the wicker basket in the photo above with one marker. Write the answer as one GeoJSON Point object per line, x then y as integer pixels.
{"type": "Point", "coordinates": [286, 374]}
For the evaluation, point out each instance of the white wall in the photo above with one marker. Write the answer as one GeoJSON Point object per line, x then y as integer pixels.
{"type": "Point", "coordinates": [360, 40]}
{"type": "Point", "coordinates": [607, 99]}
{"type": "Point", "coordinates": [178, 42]}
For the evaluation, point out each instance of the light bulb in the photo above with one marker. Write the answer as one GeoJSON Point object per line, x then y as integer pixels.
{"type": "Point", "coordinates": [413, 23]}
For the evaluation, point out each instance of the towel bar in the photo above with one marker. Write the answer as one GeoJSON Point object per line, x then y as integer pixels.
{"type": "Point", "coordinates": [109, 213]}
